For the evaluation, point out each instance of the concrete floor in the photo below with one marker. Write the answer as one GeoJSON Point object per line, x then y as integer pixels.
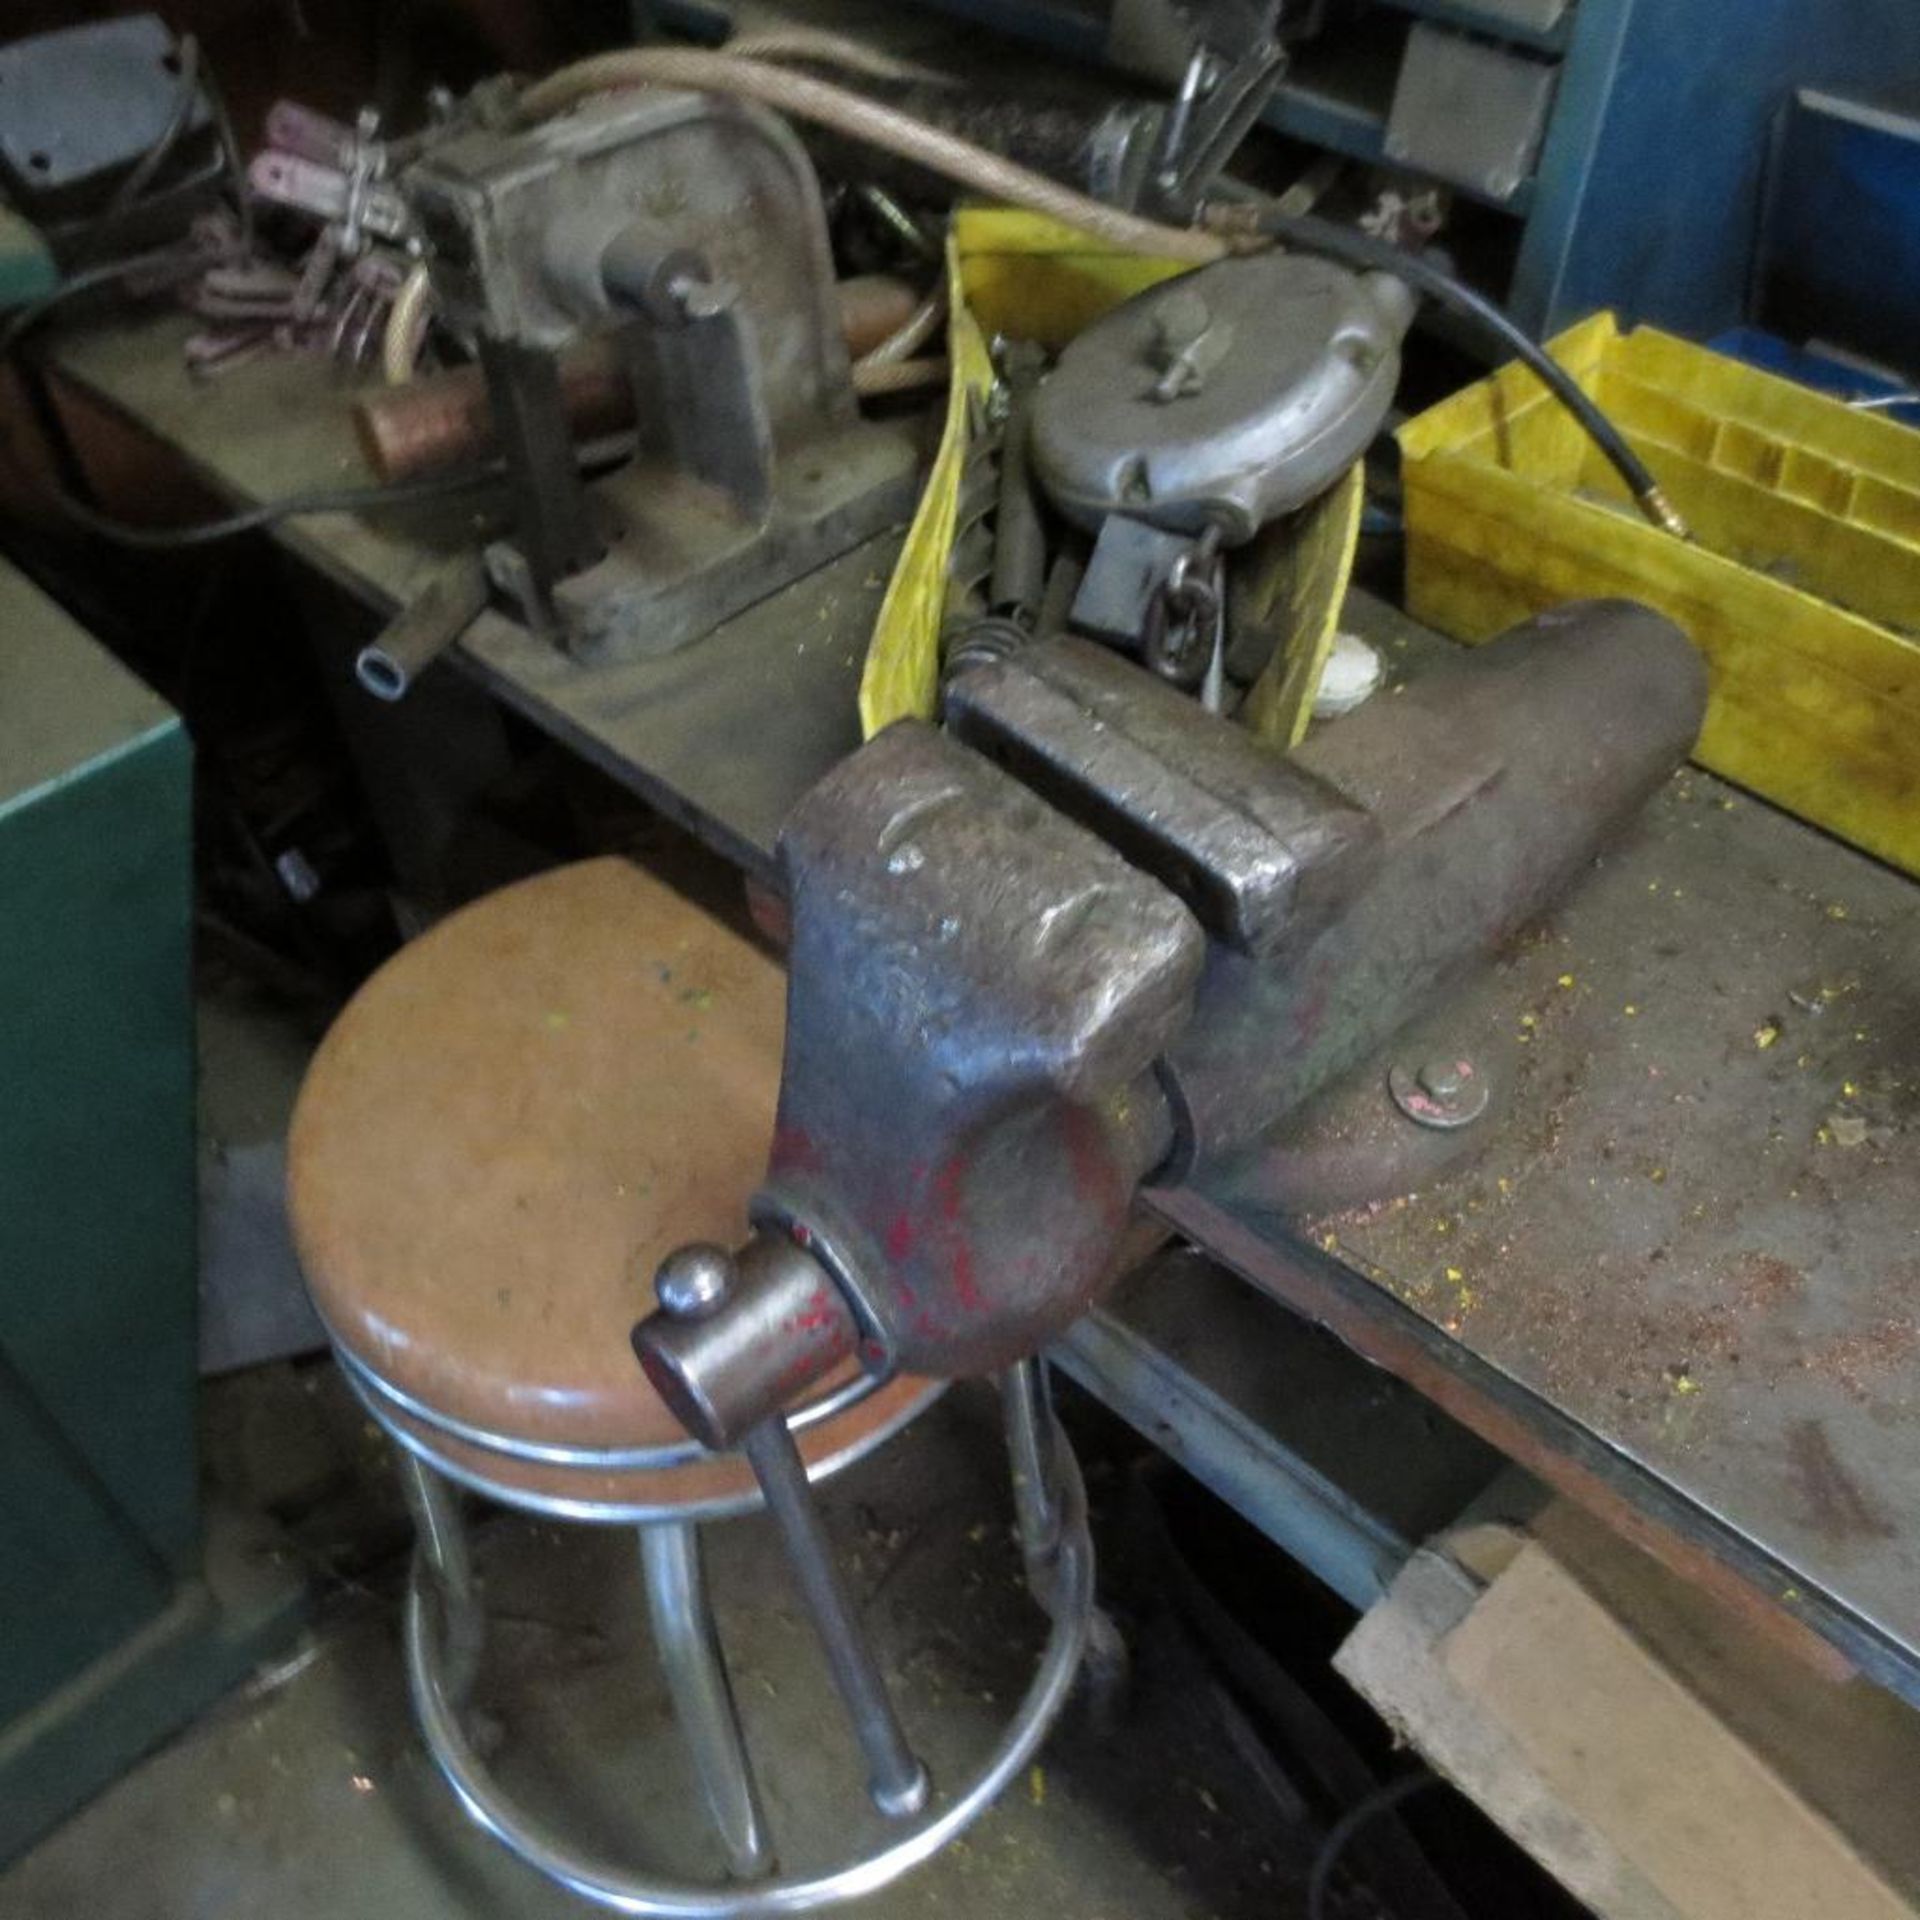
{"type": "Point", "coordinates": [307, 1796]}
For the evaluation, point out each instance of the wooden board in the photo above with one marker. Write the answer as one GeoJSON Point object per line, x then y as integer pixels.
{"type": "Point", "coordinates": [1633, 1739]}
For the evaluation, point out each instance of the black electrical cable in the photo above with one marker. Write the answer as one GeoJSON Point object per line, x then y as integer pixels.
{"type": "Point", "coordinates": [160, 260]}
{"type": "Point", "coordinates": [1311, 234]}
{"type": "Point", "coordinates": [293, 506]}
{"type": "Point", "coordinates": [1340, 1836]}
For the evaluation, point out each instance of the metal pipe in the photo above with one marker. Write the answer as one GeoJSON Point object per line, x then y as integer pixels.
{"type": "Point", "coordinates": [446, 419]}
{"type": "Point", "coordinates": [386, 1398]}
{"type": "Point", "coordinates": [450, 602]}
{"type": "Point", "coordinates": [897, 1782]}
{"type": "Point", "coordinates": [1027, 1409]}
{"type": "Point", "coordinates": [440, 1539]}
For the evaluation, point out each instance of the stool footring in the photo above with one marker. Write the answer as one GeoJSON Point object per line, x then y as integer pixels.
{"type": "Point", "coordinates": [622, 1891]}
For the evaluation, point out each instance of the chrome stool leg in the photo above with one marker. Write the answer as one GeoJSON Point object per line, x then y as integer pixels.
{"type": "Point", "coordinates": [688, 1646]}
{"type": "Point", "coordinates": [440, 1538]}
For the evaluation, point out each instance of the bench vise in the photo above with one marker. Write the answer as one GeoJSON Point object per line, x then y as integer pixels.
{"type": "Point", "coordinates": [1090, 937]}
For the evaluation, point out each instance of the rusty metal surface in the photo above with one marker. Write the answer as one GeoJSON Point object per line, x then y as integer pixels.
{"type": "Point", "coordinates": [991, 955]}
{"type": "Point", "coordinates": [977, 990]}
{"type": "Point", "coordinates": [1264, 853]}
{"type": "Point", "coordinates": [1495, 776]}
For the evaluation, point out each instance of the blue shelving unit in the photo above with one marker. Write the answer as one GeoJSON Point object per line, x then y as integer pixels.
{"type": "Point", "coordinates": [1647, 192]}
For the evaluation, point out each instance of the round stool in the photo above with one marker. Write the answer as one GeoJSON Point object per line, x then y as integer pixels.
{"type": "Point", "coordinates": [507, 1127]}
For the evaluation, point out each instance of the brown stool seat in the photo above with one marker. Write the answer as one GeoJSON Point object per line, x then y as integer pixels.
{"type": "Point", "coordinates": [505, 1130]}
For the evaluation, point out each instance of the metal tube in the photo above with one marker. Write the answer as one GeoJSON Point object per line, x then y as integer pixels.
{"type": "Point", "coordinates": [1042, 1465]}
{"type": "Point", "coordinates": [450, 602]}
{"type": "Point", "coordinates": [1026, 1407]}
{"type": "Point", "coordinates": [897, 1782]}
{"type": "Point", "coordinates": [620, 1890]}
{"type": "Point", "coordinates": [384, 1397]}
{"type": "Point", "coordinates": [446, 419]}
{"type": "Point", "coordinates": [1173, 130]}
{"type": "Point", "coordinates": [688, 1644]}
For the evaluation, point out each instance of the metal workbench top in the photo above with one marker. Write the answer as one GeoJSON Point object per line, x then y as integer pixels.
{"type": "Point", "coordinates": [1683, 1279]}
{"type": "Point", "coordinates": [1685, 1265]}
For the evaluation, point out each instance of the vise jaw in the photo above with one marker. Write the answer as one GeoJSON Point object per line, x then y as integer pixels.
{"type": "Point", "coordinates": [978, 989]}
{"type": "Point", "coordinates": [1095, 936]}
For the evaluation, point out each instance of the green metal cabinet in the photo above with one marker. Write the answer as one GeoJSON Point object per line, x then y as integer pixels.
{"type": "Point", "coordinates": [109, 1632]}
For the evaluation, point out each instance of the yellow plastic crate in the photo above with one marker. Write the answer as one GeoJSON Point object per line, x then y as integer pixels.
{"type": "Point", "coordinates": [1030, 278]}
{"type": "Point", "coordinates": [1802, 587]}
